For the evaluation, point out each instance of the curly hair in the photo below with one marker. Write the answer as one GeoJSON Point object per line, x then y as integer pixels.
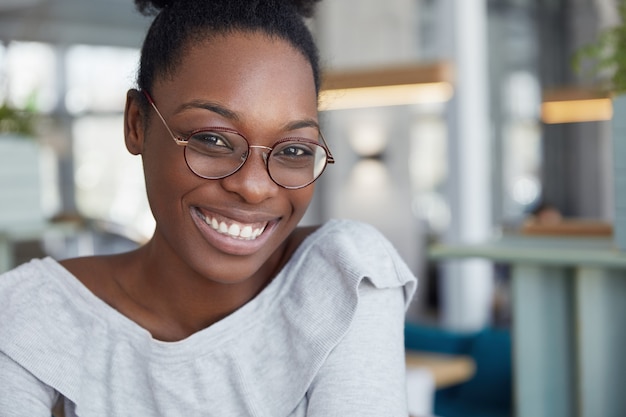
{"type": "Point", "coordinates": [179, 24]}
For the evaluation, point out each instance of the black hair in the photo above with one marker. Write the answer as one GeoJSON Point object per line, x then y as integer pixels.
{"type": "Point", "coordinates": [181, 23]}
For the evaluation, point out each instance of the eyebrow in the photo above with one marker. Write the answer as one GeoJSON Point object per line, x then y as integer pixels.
{"type": "Point", "coordinates": [232, 115]}
{"type": "Point", "coordinates": [210, 106]}
{"type": "Point", "coordinates": [300, 124]}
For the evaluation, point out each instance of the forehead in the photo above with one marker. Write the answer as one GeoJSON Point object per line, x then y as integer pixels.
{"type": "Point", "coordinates": [242, 68]}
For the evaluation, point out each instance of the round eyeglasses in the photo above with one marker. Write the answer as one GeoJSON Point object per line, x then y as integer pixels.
{"type": "Point", "coordinates": [217, 152]}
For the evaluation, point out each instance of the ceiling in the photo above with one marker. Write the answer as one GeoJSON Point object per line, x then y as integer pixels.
{"type": "Point", "coordinates": [97, 22]}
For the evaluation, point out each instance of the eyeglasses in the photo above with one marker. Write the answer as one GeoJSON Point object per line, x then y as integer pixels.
{"type": "Point", "coordinates": [217, 152]}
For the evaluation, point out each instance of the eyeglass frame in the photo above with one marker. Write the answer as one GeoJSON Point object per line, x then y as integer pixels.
{"type": "Point", "coordinates": [184, 142]}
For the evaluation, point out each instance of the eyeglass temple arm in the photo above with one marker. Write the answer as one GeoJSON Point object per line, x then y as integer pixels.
{"type": "Point", "coordinates": [331, 158]}
{"type": "Point", "coordinates": [149, 98]}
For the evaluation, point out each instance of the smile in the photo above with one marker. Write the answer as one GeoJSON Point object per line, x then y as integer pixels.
{"type": "Point", "coordinates": [235, 229]}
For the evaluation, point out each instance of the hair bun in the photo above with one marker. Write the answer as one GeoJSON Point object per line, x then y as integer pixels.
{"type": "Point", "coordinates": [305, 8]}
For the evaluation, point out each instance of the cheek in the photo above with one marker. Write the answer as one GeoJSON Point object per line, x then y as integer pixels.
{"type": "Point", "coordinates": [301, 199]}
{"type": "Point", "coordinates": [165, 175]}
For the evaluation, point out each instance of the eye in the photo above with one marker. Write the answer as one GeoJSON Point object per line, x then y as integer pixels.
{"type": "Point", "coordinates": [212, 143]}
{"type": "Point", "coordinates": [295, 150]}
{"type": "Point", "coordinates": [209, 139]}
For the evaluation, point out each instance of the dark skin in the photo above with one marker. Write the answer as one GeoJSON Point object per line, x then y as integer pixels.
{"type": "Point", "coordinates": [188, 276]}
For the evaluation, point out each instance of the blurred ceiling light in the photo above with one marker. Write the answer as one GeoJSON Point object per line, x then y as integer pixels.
{"type": "Point", "coordinates": [573, 105]}
{"type": "Point", "coordinates": [401, 85]}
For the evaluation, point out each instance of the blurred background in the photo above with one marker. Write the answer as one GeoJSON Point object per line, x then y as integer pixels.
{"type": "Point", "coordinates": [452, 162]}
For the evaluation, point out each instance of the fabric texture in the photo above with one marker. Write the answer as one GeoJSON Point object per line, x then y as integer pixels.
{"type": "Point", "coordinates": [324, 338]}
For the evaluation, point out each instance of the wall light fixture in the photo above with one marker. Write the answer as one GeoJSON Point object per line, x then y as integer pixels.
{"type": "Point", "coordinates": [390, 86]}
{"type": "Point", "coordinates": [572, 105]}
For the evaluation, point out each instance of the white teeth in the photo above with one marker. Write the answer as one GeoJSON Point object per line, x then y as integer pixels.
{"type": "Point", "coordinates": [235, 230]}
{"type": "Point", "coordinates": [246, 232]}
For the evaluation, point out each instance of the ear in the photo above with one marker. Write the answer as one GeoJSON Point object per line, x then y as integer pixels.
{"type": "Point", "coordinates": [134, 122]}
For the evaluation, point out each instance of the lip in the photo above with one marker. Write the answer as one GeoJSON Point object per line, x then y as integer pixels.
{"type": "Point", "coordinates": [233, 245]}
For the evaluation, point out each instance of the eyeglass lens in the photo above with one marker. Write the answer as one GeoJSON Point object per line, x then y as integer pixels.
{"type": "Point", "coordinates": [292, 163]}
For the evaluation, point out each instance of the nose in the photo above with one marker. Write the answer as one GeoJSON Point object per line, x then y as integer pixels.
{"type": "Point", "coordinates": [252, 181]}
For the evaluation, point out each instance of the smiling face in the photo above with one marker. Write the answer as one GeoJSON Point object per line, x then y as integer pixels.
{"type": "Point", "coordinates": [230, 229]}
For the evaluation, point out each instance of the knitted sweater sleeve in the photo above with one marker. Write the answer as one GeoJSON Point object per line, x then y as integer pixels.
{"type": "Point", "coordinates": [21, 394]}
{"type": "Point", "coordinates": [365, 374]}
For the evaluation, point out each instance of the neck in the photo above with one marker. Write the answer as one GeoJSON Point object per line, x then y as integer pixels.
{"type": "Point", "coordinates": [174, 301]}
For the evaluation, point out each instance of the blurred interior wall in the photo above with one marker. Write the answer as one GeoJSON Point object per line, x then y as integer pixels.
{"type": "Point", "coordinates": [374, 188]}
{"type": "Point", "coordinates": [378, 190]}
{"type": "Point", "coordinates": [576, 176]}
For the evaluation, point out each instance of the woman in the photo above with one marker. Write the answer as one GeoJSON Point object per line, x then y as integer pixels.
{"type": "Point", "coordinates": [230, 309]}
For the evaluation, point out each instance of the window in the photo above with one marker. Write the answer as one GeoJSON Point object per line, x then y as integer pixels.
{"type": "Point", "coordinates": [80, 91]}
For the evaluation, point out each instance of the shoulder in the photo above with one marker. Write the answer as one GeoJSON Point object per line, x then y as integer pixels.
{"type": "Point", "coordinates": [34, 282]}
{"type": "Point", "coordinates": [358, 251]}
{"type": "Point", "coordinates": [338, 231]}
{"type": "Point", "coordinates": [45, 316]}
{"type": "Point", "coordinates": [349, 234]}
{"type": "Point", "coordinates": [335, 267]}
{"type": "Point", "coordinates": [28, 291]}
{"type": "Point", "coordinates": [96, 274]}
{"type": "Point", "coordinates": [37, 294]}
{"type": "Point", "coordinates": [344, 278]}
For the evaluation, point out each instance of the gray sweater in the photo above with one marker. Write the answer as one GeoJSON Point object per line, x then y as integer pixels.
{"type": "Point", "coordinates": [324, 338]}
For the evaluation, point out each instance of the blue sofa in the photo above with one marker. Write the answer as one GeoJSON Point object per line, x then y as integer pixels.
{"type": "Point", "coordinates": [489, 392]}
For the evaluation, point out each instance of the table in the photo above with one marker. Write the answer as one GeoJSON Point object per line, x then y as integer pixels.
{"type": "Point", "coordinates": [447, 370]}
{"type": "Point", "coordinates": [569, 309]}
{"type": "Point", "coordinates": [427, 372]}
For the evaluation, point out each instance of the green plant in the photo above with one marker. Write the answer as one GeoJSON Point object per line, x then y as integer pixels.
{"type": "Point", "coordinates": [17, 121]}
{"type": "Point", "coordinates": [607, 54]}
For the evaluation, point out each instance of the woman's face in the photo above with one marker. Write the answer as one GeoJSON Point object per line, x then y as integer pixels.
{"type": "Point", "coordinates": [261, 87]}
